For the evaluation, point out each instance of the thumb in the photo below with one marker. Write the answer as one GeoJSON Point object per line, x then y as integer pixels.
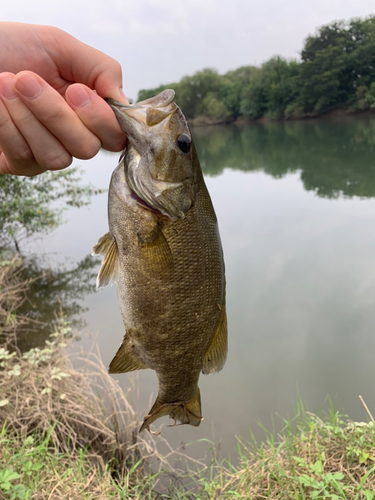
{"type": "Point", "coordinates": [108, 82]}
{"type": "Point", "coordinates": [78, 62]}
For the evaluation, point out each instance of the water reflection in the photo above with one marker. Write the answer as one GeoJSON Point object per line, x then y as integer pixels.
{"type": "Point", "coordinates": [52, 291]}
{"type": "Point", "coordinates": [335, 157]}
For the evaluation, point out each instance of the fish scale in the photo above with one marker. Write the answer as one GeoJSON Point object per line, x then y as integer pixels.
{"type": "Point", "coordinates": [163, 250]}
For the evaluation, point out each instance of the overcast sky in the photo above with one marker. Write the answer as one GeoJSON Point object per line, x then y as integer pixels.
{"type": "Point", "coordinates": [160, 41]}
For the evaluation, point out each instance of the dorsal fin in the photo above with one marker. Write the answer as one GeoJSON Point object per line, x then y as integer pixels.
{"type": "Point", "coordinates": [216, 354]}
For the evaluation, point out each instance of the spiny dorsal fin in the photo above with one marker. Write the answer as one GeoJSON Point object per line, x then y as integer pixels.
{"type": "Point", "coordinates": [126, 360]}
{"type": "Point", "coordinates": [109, 265]}
{"type": "Point", "coordinates": [102, 245]}
{"type": "Point", "coordinates": [216, 354]}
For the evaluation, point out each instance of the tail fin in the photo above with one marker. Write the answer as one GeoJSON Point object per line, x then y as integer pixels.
{"type": "Point", "coordinates": [188, 412]}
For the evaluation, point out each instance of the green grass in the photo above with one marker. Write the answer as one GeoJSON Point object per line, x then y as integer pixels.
{"type": "Point", "coordinates": [312, 459]}
{"type": "Point", "coordinates": [33, 468]}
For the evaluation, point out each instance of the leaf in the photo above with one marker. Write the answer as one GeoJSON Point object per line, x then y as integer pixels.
{"type": "Point", "coordinates": [6, 476]}
{"type": "Point", "coordinates": [338, 475]}
{"type": "Point", "coordinates": [4, 402]}
{"type": "Point", "coordinates": [299, 460]}
{"type": "Point", "coordinates": [317, 467]}
{"type": "Point", "coordinates": [369, 495]}
{"type": "Point", "coordinates": [306, 480]}
{"type": "Point", "coordinates": [18, 492]}
{"type": "Point", "coordinates": [363, 457]}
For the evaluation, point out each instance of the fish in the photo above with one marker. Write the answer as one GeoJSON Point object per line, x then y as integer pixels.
{"type": "Point", "coordinates": [163, 251]}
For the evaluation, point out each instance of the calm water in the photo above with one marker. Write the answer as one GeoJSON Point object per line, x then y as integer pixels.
{"type": "Point", "coordinates": [296, 209]}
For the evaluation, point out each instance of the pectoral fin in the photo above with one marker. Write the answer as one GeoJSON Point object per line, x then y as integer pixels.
{"type": "Point", "coordinates": [154, 249]}
{"type": "Point", "coordinates": [102, 245]}
{"type": "Point", "coordinates": [216, 354]}
{"type": "Point", "coordinates": [126, 359]}
{"type": "Point", "coordinates": [106, 245]}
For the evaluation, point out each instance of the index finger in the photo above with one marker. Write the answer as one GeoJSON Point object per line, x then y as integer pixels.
{"type": "Point", "coordinates": [56, 115]}
{"type": "Point", "coordinates": [81, 63]}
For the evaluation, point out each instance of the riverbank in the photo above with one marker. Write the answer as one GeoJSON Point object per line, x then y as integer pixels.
{"type": "Point", "coordinates": [69, 431]}
{"type": "Point", "coordinates": [205, 121]}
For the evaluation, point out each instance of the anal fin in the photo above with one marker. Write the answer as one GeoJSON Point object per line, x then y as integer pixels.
{"type": "Point", "coordinates": [126, 359]}
{"type": "Point", "coordinates": [216, 354]}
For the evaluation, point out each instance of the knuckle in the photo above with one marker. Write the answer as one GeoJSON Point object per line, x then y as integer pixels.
{"type": "Point", "coordinates": [115, 145]}
{"type": "Point", "coordinates": [117, 67]}
{"type": "Point", "coordinates": [54, 114]}
{"type": "Point", "coordinates": [24, 156]}
{"type": "Point", "coordinates": [56, 160]}
{"type": "Point", "coordinates": [5, 121]}
{"type": "Point", "coordinates": [89, 149]}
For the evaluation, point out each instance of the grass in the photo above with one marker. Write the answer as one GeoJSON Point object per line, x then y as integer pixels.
{"type": "Point", "coordinates": [31, 468]}
{"type": "Point", "coordinates": [331, 458]}
{"type": "Point", "coordinates": [313, 458]}
{"type": "Point", "coordinates": [68, 432]}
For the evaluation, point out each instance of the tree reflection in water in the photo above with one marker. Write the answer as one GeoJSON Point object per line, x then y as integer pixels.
{"type": "Point", "coordinates": [335, 156]}
{"type": "Point", "coordinates": [52, 291]}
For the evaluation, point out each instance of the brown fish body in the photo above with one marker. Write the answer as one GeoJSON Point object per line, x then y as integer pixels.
{"type": "Point", "coordinates": [171, 288]}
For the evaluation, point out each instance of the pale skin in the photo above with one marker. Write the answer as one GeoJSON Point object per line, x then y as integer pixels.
{"type": "Point", "coordinates": [51, 100]}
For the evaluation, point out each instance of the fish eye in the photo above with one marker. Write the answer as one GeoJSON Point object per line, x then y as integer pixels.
{"type": "Point", "coordinates": [184, 143]}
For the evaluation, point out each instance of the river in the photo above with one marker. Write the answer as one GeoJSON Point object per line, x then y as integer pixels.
{"type": "Point", "coordinates": [296, 210]}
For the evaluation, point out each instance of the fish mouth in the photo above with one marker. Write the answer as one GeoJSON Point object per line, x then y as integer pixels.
{"type": "Point", "coordinates": [161, 100]}
{"type": "Point", "coordinates": [134, 119]}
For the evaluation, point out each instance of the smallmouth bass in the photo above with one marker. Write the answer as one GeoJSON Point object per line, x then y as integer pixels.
{"type": "Point", "coordinates": [163, 250]}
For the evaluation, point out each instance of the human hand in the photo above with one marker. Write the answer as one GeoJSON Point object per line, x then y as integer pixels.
{"type": "Point", "coordinates": [39, 129]}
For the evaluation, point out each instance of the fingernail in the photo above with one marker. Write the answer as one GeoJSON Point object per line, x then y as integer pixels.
{"type": "Point", "coordinates": [78, 96]}
{"type": "Point", "coordinates": [28, 85]}
{"type": "Point", "coordinates": [6, 87]}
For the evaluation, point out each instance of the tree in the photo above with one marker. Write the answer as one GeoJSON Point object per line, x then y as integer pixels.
{"type": "Point", "coordinates": [280, 87]}
{"type": "Point", "coordinates": [31, 205]}
{"type": "Point", "coordinates": [335, 62]}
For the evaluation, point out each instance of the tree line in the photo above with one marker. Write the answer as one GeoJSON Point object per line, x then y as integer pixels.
{"type": "Point", "coordinates": [336, 71]}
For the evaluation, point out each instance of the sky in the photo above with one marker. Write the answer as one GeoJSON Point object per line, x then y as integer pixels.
{"type": "Point", "coordinates": [159, 42]}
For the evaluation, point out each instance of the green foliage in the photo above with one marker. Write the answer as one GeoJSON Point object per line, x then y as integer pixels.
{"type": "Point", "coordinates": [336, 71]}
{"type": "Point", "coordinates": [370, 96]}
{"type": "Point", "coordinates": [335, 63]}
{"type": "Point", "coordinates": [31, 205]}
{"type": "Point", "coordinates": [213, 108]}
